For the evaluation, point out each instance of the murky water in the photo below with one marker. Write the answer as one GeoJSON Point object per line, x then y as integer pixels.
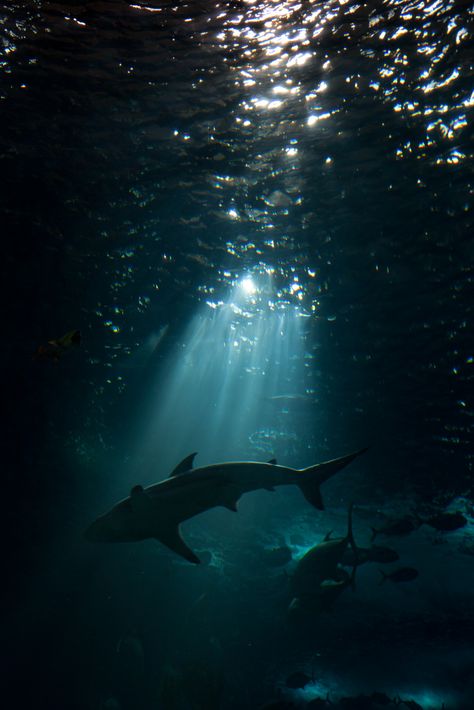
{"type": "Point", "coordinates": [259, 216]}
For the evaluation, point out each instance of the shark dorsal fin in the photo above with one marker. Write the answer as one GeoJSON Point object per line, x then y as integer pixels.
{"type": "Point", "coordinates": [171, 537]}
{"type": "Point", "coordinates": [273, 462]}
{"type": "Point", "coordinates": [184, 466]}
{"type": "Point", "coordinates": [327, 537]}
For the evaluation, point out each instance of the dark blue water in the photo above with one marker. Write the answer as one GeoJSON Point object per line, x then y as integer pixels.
{"type": "Point", "coordinates": [259, 216]}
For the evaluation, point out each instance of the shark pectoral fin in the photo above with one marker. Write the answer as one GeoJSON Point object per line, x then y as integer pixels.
{"type": "Point", "coordinates": [172, 539]}
{"type": "Point", "coordinates": [230, 499]}
{"type": "Point", "coordinates": [184, 465]}
{"type": "Point", "coordinates": [311, 492]}
{"type": "Point", "coordinates": [273, 462]}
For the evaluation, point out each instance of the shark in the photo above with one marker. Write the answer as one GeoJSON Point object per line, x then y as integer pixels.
{"type": "Point", "coordinates": [157, 511]}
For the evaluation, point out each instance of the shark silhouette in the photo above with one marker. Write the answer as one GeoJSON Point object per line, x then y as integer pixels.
{"type": "Point", "coordinates": [158, 510]}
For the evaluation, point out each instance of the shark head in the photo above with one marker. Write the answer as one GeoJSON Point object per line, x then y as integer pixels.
{"type": "Point", "coordinates": [118, 525]}
{"type": "Point", "coordinates": [101, 531]}
{"type": "Point", "coordinates": [137, 518]}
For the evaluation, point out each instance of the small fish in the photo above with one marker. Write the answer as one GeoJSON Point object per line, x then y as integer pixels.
{"type": "Point", "coordinates": [292, 402]}
{"type": "Point", "coordinates": [402, 526]}
{"type": "Point", "coordinates": [298, 680]}
{"type": "Point", "coordinates": [322, 562]}
{"type": "Point", "coordinates": [446, 522]}
{"type": "Point", "coordinates": [54, 349]}
{"type": "Point", "coordinates": [323, 598]}
{"type": "Point", "coordinates": [289, 398]}
{"type": "Point", "coordinates": [331, 589]}
{"type": "Point", "coordinates": [374, 553]}
{"type": "Point", "coordinates": [404, 574]}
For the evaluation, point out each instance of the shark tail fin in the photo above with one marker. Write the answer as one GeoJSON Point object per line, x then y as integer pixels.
{"type": "Point", "coordinates": [313, 476]}
{"type": "Point", "coordinates": [375, 532]}
{"type": "Point", "coordinates": [383, 578]}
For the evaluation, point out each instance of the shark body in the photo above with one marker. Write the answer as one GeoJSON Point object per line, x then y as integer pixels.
{"type": "Point", "coordinates": [158, 510]}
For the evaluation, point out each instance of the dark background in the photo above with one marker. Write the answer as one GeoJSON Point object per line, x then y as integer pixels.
{"type": "Point", "coordinates": [109, 217]}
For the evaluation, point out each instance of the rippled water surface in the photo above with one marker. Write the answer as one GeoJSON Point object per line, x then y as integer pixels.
{"type": "Point", "coordinates": [259, 214]}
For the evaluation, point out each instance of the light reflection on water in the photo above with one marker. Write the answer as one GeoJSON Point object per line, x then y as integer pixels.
{"type": "Point", "coordinates": [194, 142]}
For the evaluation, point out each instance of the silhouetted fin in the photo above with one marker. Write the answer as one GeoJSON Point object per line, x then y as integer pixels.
{"type": "Point", "coordinates": [313, 476]}
{"type": "Point", "coordinates": [273, 462]}
{"type": "Point", "coordinates": [327, 537]}
{"type": "Point", "coordinates": [269, 488]}
{"type": "Point", "coordinates": [328, 468]}
{"type": "Point", "coordinates": [185, 465]}
{"type": "Point", "coordinates": [312, 494]}
{"type": "Point", "coordinates": [231, 499]}
{"type": "Point", "coordinates": [172, 539]}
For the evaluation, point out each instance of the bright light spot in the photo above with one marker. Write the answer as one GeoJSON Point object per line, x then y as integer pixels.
{"type": "Point", "coordinates": [314, 119]}
{"type": "Point", "coordinates": [248, 286]}
{"type": "Point", "coordinates": [299, 59]}
{"type": "Point", "coordinates": [280, 90]}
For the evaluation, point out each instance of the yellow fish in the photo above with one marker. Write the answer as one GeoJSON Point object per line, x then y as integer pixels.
{"type": "Point", "coordinates": [54, 349]}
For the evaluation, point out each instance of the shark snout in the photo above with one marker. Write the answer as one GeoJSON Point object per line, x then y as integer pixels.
{"type": "Point", "coordinates": [97, 532]}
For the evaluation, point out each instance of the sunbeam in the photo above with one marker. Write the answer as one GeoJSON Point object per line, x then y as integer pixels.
{"type": "Point", "coordinates": [233, 387]}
